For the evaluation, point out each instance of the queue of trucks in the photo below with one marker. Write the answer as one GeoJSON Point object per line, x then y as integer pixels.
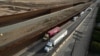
{"type": "Point", "coordinates": [55, 35]}
{"type": "Point", "coordinates": [55, 30]}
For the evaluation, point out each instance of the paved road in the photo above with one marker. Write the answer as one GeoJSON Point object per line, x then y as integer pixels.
{"type": "Point", "coordinates": [79, 49]}
{"type": "Point", "coordinates": [70, 29]}
{"type": "Point", "coordinates": [67, 47]}
{"type": "Point", "coordinates": [31, 51]}
{"type": "Point", "coordinates": [81, 46]}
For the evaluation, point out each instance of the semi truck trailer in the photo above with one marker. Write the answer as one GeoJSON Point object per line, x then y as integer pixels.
{"type": "Point", "coordinates": [55, 40]}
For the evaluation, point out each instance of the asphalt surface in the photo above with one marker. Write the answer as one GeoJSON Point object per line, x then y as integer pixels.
{"type": "Point", "coordinates": [79, 46]}
{"type": "Point", "coordinates": [67, 47]}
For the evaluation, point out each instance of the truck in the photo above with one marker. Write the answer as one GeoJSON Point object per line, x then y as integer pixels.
{"type": "Point", "coordinates": [55, 40]}
{"type": "Point", "coordinates": [82, 13]}
{"type": "Point", "coordinates": [51, 33]}
{"type": "Point", "coordinates": [88, 9]}
{"type": "Point", "coordinates": [75, 18]}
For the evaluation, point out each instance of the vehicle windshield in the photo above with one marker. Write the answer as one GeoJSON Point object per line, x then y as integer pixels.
{"type": "Point", "coordinates": [49, 44]}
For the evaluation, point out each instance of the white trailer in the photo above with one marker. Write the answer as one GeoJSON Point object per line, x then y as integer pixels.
{"type": "Point", "coordinates": [55, 40]}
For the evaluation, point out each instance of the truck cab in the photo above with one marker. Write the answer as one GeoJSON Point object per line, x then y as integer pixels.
{"type": "Point", "coordinates": [46, 37]}
{"type": "Point", "coordinates": [48, 47]}
{"type": "Point", "coordinates": [75, 18]}
{"type": "Point", "coordinates": [82, 13]}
